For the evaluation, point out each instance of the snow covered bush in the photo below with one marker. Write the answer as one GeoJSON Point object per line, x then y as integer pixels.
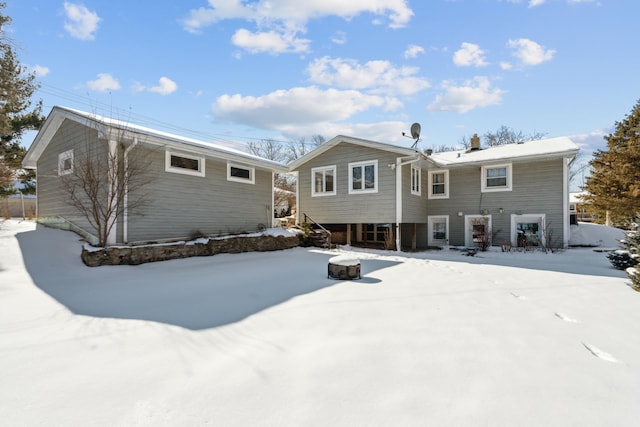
{"type": "Point", "coordinates": [621, 259]}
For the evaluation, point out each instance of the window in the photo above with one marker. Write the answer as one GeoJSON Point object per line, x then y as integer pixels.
{"type": "Point", "coordinates": [363, 177]}
{"type": "Point", "coordinates": [65, 163]}
{"type": "Point", "coordinates": [416, 180]}
{"type": "Point", "coordinates": [240, 174]}
{"type": "Point", "coordinates": [439, 184]}
{"type": "Point", "coordinates": [184, 163]}
{"type": "Point", "coordinates": [528, 230]}
{"type": "Point", "coordinates": [438, 230]}
{"type": "Point", "coordinates": [496, 178]}
{"type": "Point", "coordinates": [323, 181]}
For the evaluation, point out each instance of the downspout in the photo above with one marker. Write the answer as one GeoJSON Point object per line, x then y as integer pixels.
{"type": "Point", "coordinates": [398, 168]}
{"type": "Point", "coordinates": [273, 201]}
{"type": "Point", "coordinates": [125, 201]}
{"type": "Point", "coordinates": [113, 187]}
{"type": "Point", "coordinates": [297, 174]}
{"type": "Point", "coordinates": [565, 204]}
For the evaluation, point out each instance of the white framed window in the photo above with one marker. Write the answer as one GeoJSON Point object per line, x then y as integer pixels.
{"type": "Point", "coordinates": [323, 181]}
{"type": "Point", "coordinates": [416, 180]}
{"type": "Point", "coordinates": [363, 177]}
{"type": "Point", "coordinates": [528, 230]}
{"type": "Point", "coordinates": [438, 228]}
{"type": "Point", "coordinates": [239, 173]}
{"type": "Point", "coordinates": [65, 163]}
{"type": "Point", "coordinates": [438, 184]}
{"type": "Point", "coordinates": [184, 163]}
{"type": "Point", "coordinates": [496, 178]}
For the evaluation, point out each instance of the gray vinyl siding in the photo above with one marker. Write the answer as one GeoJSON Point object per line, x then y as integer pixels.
{"type": "Point", "coordinates": [177, 205]}
{"type": "Point", "coordinates": [414, 207]}
{"type": "Point", "coordinates": [181, 205]}
{"type": "Point", "coordinates": [345, 208]}
{"type": "Point", "coordinates": [53, 200]}
{"type": "Point", "coordinates": [537, 188]}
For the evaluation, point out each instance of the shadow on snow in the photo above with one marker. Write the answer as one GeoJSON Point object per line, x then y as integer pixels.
{"type": "Point", "coordinates": [194, 293]}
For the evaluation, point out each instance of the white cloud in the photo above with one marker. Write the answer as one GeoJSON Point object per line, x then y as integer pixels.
{"type": "Point", "coordinates": [269, 42]}
{"type": "Point", "coordinates": [413, 51]}
{"type": "Point", "coordinates": [165, 86]}
{"type": "Point", "coordinates": [473, 94]}
{"type": "Point", "coordinates": [81, 23]}
{"type": "Point", "coordinates": [40, 70]}
{"type": "Point", "coordinates": [506, 65]}
{"type": "Point", "coordinates": [340, 37]}
{"type": "Point", "coordinates": [534, 3]}
{"type": "Point", "coordinates": [590, 142]}
{"type": "Point", "coordinates": [469, 55]}
{"type": "Point", "coordinates": [289, 18]}
{"type": "Point", "coordinates": [104, 83]}
{"type": "Point", "coordinates": [375, 76]}
{"type": "Point", "coordinates": [529, 52]}
{"type": "Point", "coordinates": [300, 106]}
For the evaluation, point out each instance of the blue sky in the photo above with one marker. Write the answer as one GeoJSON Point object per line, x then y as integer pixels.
{"type": "Point", "coordinates": [237, 71]}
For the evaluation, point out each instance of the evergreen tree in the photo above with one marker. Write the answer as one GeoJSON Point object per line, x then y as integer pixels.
{"type": "Point", "coordinates": [17, 86]}
{"type": "Point", "coordinates": [632, 242]}
{"type": "Point", "coordinates": [614, 184]}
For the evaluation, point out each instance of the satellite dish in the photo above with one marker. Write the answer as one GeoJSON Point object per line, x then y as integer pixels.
{"type": "Point", "coordinates": [415, 131]}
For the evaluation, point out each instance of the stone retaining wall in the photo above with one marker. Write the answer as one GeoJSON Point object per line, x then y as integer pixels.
{"type": "Point", "coordinates": [134, 255]}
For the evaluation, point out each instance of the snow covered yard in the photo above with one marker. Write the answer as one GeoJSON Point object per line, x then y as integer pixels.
{"type": "Point", "coordinates": [265, 339]}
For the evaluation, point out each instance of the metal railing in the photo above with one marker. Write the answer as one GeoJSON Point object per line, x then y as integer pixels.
{"type": "Point", "coordinates": [307, 218]}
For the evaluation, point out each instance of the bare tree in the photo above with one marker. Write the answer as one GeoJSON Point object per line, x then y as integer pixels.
{"type": "Point", "coordinates": [506, 135]}
{"type": "Point", "coordinates": [105, 183]}
{"type": "Point", "coordinates": [300, 147]}
{"type": "Point", "coordinates": [267, 149]}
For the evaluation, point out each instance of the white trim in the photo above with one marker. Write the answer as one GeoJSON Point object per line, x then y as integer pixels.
{"type": "Point", "coordinates": [125, 198]}
{"type": "Point", "coordinates": [362, 165]}
{"type": "Point", "coordinates": [252, 174]}
{"type": "Point", "coordinates": [62, 157]}
{"type": "Point", "coordinates": [430, 194]}
{"type": "Point", "coordinates": [539, 218]}
{"type": "Point", "coordinates": [113, 186]}
{"type": "Point", "coordinates": [184, 171]}
{"type": "Point", "coordinates": [468, 237]}
{"type": "Point", "coordinates": [566, 209]}
{"type": "Point", "coordinates": [431, 219]}
{"type": "Point", "coordinates": [417, 171]}
{"type": "Point", "coordinates": [483, 178]}
{"type": "Point", "coordinates": [324, 170]}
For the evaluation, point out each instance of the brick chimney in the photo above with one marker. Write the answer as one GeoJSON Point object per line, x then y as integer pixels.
{"type": "Point", "coordinates": [475, 142]}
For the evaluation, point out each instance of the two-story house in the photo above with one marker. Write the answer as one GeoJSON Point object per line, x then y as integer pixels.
{"type": "Point", "coordinates": [370, 192]}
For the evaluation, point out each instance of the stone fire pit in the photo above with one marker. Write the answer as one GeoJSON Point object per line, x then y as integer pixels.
{"type": "Point", "coordinates": [344, 267]}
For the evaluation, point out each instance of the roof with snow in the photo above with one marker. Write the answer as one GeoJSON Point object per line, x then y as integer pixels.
{"type": "Point", "coordinates": [58, 114]}
{"type": "Point", "coordinates": [530, 150]}
{"type": "Point", "coordinates": [537, 149]}
{"type": "Point", "coordinates": [402, 151]}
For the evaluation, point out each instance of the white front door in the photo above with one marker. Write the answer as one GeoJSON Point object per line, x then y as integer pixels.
{"type": "Point", "coordinates": [438, 229]}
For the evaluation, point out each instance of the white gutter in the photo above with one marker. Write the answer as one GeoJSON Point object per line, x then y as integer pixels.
{"type": "Point", "coordinates": [398, 168]}
{"type": "Point", "coordinates": [125, 202]}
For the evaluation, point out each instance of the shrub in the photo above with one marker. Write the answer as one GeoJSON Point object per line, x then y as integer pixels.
{"type": "Point", "coordinates": [621, 259]}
